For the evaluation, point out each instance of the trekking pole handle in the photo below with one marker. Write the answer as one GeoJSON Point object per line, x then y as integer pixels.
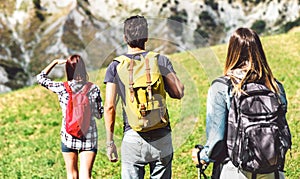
{"type": "Point", "coordinates": [200, 165]}
{"type": "Point", "coordinates": [200, 147]}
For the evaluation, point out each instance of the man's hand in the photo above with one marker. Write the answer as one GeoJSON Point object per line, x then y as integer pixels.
{"type": "Point", "coordinates": [111, 152]}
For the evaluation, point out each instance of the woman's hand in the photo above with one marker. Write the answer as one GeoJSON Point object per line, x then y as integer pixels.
{"type": "Point", "coordinates": [53, 63]}
{"type": "Point", "coordinates": [195, 157]}
{"type": "Point", "coordinates": [60, 61]}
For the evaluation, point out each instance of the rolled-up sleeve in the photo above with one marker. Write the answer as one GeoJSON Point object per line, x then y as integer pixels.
{"type": "Point", "coordinates": [43, 80]}
{"type": "Point", "coordinates": [282, 95]}
{"type": "Point", "coordinates": [97, 101]}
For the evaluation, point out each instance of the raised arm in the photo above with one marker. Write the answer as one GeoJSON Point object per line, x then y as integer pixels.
{"type": "Point", "coordinates": [42, 78]}
{"type": "Point", "coordinates": [48, 68]}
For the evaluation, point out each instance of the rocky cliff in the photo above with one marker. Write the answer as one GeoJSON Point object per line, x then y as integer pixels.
{"type": "Point", "coordinates": [33, 32]}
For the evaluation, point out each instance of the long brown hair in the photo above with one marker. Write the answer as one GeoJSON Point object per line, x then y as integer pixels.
{"type": "Point", "coordinates": [75, 69]}
{"type": "Point", "coordinates": [245, 51]}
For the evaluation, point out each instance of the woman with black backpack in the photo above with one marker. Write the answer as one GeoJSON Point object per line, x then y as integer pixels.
{"type": "Point", "coordinates": [79, 141]}
{"type": "Point", "coordinates": [237, 149]}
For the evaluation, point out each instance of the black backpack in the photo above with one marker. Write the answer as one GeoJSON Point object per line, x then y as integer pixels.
{"type": "Point", "coordinates": [258, 134]}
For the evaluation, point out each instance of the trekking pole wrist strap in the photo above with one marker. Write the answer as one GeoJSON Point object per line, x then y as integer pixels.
{"type": "Point", "coordinates": [110, 143]}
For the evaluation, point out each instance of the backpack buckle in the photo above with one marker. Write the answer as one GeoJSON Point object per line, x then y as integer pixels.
{"type": "Point", "coordinates": [131, 91]}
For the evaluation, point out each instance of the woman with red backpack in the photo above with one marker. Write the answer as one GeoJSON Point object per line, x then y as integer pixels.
{"type": "Point", "coordinates": [83, 146]}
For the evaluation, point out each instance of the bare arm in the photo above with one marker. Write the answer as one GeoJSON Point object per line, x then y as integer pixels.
{"type": "Point", "coordinates": [110, 110]}
{"type": "Point", "coordinates": [52, 64]}
{"type": "Point", "coordinates": [109, 118]}
{"type": "Point", "coordinates": [42, 78]}
{"type": "Point", "coordinates": [176, 88]}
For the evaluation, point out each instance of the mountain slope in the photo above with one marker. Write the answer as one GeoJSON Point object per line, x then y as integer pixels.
{"type": "Point", "coordinates": [34, 32]}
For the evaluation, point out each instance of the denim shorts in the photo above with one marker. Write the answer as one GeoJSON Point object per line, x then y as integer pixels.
{"type": "Point", "coordinates": [64, 148]}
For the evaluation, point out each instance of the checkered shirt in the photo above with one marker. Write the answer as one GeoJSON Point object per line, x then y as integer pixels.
{"type": "Point", "coordinates": [91, 139]}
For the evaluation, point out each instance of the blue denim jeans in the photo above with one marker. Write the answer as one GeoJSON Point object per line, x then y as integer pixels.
{"type": "Point", "coordinates": [138, 151]}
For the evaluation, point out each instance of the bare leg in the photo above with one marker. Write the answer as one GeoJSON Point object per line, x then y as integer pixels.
{"type": "Point", "coordinates": [87, 159]}
{"type": "Point", "coordinates": [71, 161]}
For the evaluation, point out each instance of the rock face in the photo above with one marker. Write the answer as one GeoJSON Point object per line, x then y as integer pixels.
{"type": "Point", "coordinates": [35, 32]}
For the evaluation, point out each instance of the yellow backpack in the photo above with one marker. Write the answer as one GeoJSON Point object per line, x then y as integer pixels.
{"type": "Point", "coordinates": [145, 96]}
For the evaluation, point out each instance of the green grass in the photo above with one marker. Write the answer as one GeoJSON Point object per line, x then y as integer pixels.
{"type": "Point", "coordinates": [30, 118]}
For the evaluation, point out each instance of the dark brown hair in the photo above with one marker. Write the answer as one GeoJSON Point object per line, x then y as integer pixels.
{"type": "Point", "coordinates": [75, 69]}
{"type": "Point", "coordinates": [136, 31]}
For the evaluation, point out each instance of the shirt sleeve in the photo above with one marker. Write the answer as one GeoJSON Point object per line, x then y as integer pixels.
{"type": "Point", "coordinates": [97, 101]}
{"type": "Point", "coordinates": [111, 72]}
{"type": "Point", "coordinates": [45, 81]}
{"type": "Point", "coordinates": [282, 95]}
{"type": "Point", "coordinates": [216, 115]}
{"type": "Point", "coordinates": [165, 65]}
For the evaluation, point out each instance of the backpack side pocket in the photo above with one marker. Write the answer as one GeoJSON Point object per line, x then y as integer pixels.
{"type": "Point", "coordinates": [261, 148]}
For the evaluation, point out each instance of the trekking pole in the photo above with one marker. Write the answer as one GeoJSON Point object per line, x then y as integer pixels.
{"type": "Point", "coordinates": [200, 166]}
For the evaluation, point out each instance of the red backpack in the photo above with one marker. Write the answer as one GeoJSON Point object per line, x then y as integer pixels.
{"type": "Point", "coordinates": [78, 112]}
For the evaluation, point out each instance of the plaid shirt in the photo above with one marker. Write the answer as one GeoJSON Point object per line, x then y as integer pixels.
{"type": "Point", "coordinates": [91, 139]}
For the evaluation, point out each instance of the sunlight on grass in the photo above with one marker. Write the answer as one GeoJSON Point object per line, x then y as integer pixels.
{"type": "Point", "coordinates": [30, 118]}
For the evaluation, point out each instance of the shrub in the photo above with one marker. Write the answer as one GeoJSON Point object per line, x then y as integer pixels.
{"type": "Point", "coordinates": [259, 26]}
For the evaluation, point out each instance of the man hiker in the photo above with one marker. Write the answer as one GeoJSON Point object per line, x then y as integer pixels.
{"type": "Point", "coordinates": [141, 78]}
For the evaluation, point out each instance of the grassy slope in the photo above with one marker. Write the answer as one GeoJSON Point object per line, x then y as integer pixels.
{"type": "Point", "coordinates": [30, 118]}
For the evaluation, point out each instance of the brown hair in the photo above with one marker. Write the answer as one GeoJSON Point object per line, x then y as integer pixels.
{"type": "Point", "coordinates": [245, 51]}
{"type": "Point", "coordinates": [75, 69]}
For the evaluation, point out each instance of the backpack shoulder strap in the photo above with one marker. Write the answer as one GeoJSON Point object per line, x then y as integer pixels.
{"type": "Point", "coordinates": [148, 75]}
{"type": "Point", "coordinates": [121, 58]}
{"type": "Point", "coordinates": [87, 87]}
{"type": "Point", "coordinates": [68, 88]}
{"type": "Point", "coordinates": [131, 83]}
{"type": "Point", "coordinates": [151, 54]}
{"type": "Point", "coordinates": [223, 79]}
